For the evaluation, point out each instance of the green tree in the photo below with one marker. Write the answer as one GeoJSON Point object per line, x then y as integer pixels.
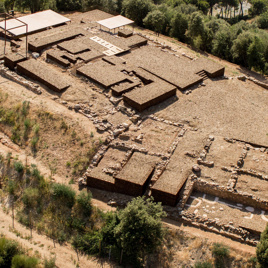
{"type": "Point", "coordinates": [23, 261]}
{"type": "Point", "coordinates": [179, 25]}
{"type": "Point", "coordinates": [203, 6]}
{"type": "Point", "coordinates": [107, 232]}
{"type": "Point", "coordinates": [8, 249]}
{"type": "Point", "coordinates": [211, 5]}
{"type": "Point", "coordinates": [82, 211]}
{"type": "Point", "coordinates": [263, 20]}
{"type": "Point", "coordinates": [63, 194]}
{"type": "Point", "coordinates": [137, 10]}
{"type": "Point", "coordinates": [168, 13]}
{"type": "Point", "coordinates": [221, 254]}
{"type": "Point", "coordinates": [69, 5]}
{"type": "Point", "coordinates": [139, 231]}
{"type": "Point", "coordinates": [110, 6]}
{"type": "Point", "coordinates": [222, 43]}
{"type": "Point", "coordinates": [9, 5]}
{"type": "Point", "coordinates": [63, 201]}
{"type": "Point", "coordinates": [33, 5]}
{"type": "Point", "coordinates": [2, 7]}
{"type": "Point", "coordinates": [187, 8]}
{"type": "Point", "coordinates": [240, 47]}
{"type": "Point", "coordinates": [258, 7]}
{"type": "Point", "coordinates": [155, 20]}
{"type": "Point", "coordinates": [262, 249]}
{"type": "Point", "coordinates": [30, 200]}
{"type": "Point", "coordinates": [255, 54]}
{"type": "Point", "coordinates": [196, 25]}
{"type": "Point", "coordinates": [12, 188]}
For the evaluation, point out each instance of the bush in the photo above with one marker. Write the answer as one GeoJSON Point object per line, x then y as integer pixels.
{"type": "Point", "coordinates": [25, 108]}
{"type": "Point", "coordinates": [262, 249]}
{"type": "Point", "coordinates": [50, 263]}
{"type": "Point", "coordinates": [88, 243]}
{"type": "Point", "coordinates": [221, 254]}
{"type": "Point", "coordinates": [137, 10]}
{"type": "Point", "coordinates": [71, 5]}
{"type": "Point", "coordinates": [23, 261]}
{"type": "Point", "coordinates": [36, 129]}
{"type": "Point", "coordinates": [84, 202]}
{"type": "Point", "coordinates": [220, 250]}
{"type": "Point", "coordinates": [8, 249]}
{"type": "Point", "coordinates": [18, 166]}
{"type": "Point", "coordinates": [140, 230]}
{"type": "Point", "coordinates": [34, 141]}
{"type": "Point", "coordinates": [263, 20]}
{"type": "Point", "coordinates": [63, 193]}
{"type": "Point", "coordinates": [205, 264]}
{"type": "Point", "coordinates": [2, 7]}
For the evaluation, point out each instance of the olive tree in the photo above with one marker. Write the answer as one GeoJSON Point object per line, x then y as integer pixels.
{"type": "Point", "coordinates": [137, 10]}
{"type": "Point", "coordinates": [262, 249]}
{"type": "Point", "coordinates": [140, 230]}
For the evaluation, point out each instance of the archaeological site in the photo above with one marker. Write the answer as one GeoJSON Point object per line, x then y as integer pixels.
{"type": "Point", "coordinates": [176, 125]}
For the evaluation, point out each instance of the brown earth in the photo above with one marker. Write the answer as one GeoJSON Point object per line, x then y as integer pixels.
{"type": "Point", "coordinates": [243, 108]}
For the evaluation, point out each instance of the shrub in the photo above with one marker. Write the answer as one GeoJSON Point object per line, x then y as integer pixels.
{"type": "Point", "coordinates": [23, 261]}
{"type": "Point", "coordinates": [220, 250]}
{"type": "Point", "coordinates": [88, 243]}
{"type": "Point", "coordinates": [221, 253]}
{"type": "Point", "coordinates": [36, 129]}
{"type": "Point", "coordinates": [63, 193]}
{"type": "Point", "coordinates": [18, 166]}
{"type": "Point", "coordinates": [68, 5]}
{"type": "Point", "coordinates": [8, 249]}
{"type": "Point", "coordinates": [27, 123]}
{"type": "Point", "coordinates": [25, 108]}
{"type": "Point", "coordinates": [84, 201]}
{"type": "Point", "coordinates": [34, 142]}
{"type": "Point", "coordinates": [50, 263]}
{"type": "Point", "coordinates": [263, 20]}
{"type": "Point", "coordinates": [205, 264]}
{"type": "Point", "coordinates": [2, 10]}
{"type": "Point", "coordinates": [262, 249]}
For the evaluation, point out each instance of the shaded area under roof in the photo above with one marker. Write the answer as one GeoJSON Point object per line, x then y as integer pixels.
{"type": "Point", "coordinates": [115, 22]}
{"type": "Point", "coordinates": [37, 21]}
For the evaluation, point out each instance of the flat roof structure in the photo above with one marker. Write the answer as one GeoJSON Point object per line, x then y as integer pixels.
{"type": "Point", "coordinates": [135, 175]}
{"type": "Point", "coordinates": [115, 22]}
{"type": "Point", "coordinates": [36, 22]}
{"type": "Point", "coordinates": [39, 71]}
{"type": "Point", "coordinates": [142, 98]}
{"type": "Point", "coordinates": [103, 73]}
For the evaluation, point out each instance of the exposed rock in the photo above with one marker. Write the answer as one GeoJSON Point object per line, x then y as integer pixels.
{"type": "Point", "coordinates": [205, 163]}
{"type": "Point", "coordinates": [112, 203]}
{"type": "Point", "coordinates": [242, 78]}
{"type": "Point", "coordinates": [196, 169]}
{"type": "Point", "coordinates": [35, 55]}
{"type": "Point", "coordinates": [77, 107]}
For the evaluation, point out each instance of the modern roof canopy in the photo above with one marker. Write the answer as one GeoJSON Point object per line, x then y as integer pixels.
{"type": "Point", "coordinates": [37, 21]}
{"type": "Point", "coordinates": [115, 22]}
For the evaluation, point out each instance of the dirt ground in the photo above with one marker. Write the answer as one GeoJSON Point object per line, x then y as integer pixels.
{"type": "Point", "coordinates": [221, 107]}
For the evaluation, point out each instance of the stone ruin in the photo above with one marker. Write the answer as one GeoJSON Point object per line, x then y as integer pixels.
{"type": "Point", "coordinates": [215, 183]}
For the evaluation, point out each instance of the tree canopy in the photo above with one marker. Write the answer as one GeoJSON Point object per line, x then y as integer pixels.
{"type": "Point", "coordinates": [262, 249]}
{"type": "Point", "coordinates": [139, 231]}
{"type": "Point", "coordinates": [137, 10]}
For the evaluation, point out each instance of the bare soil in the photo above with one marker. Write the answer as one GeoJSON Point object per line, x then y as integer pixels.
{"type": "Point", "coordinates": [221, 107]}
